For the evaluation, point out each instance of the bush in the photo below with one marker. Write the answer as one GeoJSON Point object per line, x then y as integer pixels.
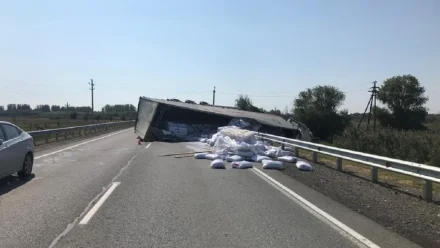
{"type": "Point", "coordinates": [73, 115]}
{"type": "Point", "coordinates": [416, 146]}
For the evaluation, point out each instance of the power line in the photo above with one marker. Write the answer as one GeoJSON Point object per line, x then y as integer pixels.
{"type": "Point", "coordinates": [287, 95]}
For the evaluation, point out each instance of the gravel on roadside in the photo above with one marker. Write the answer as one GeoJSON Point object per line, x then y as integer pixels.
{"type": "Point", "coordinates": [400, 210]}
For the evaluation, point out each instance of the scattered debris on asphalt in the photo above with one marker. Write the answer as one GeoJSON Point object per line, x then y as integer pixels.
{"type": "Point", "coordinates": [288, 159]}
{"type": "Point", "coordinates": [181, 153]}
{"type": "Point", "coordinates": [241, 147]}
{"type": "Point", "coordinates": [304, 166]}
{"type": "Point", "coordinates": [273, 165]}
{"type": "Point", "coordinates": [200, 155]}
{"type": "Point", "coordinates": [218, 164]}
{"type": "Point", "coordinates": [242, 165]}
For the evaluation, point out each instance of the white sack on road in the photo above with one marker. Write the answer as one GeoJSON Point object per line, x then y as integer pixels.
{"type": "Point", "coordinates": [269, 164]}
{"type": "Point", "coordinates": [212, 156]}
{"type": "Point", "coordinates": [213, 139]}
{"type": "Point", "coordinates": [303, 165]}
{"type": "Point", "coordinates": [271, 152]}
{"type": "Point", "coordinates": [244, 154]}
{"type": "Point", "coordinates": [234, 158]}
{"type": "Point", "coordinates": [200, 155]}
{"type": "Point", "coordinates": [288, 159]}
{"type": "Point", "coordinates": [259, 158]}
{"type": "Point", "coordinates": [238, 134]}
{"type": "Point", "coordinates": [218, 164]}
{"type": "Point", "coordinates": [282, 153]}
{"type": "Point", "coordinates": [242, 165]}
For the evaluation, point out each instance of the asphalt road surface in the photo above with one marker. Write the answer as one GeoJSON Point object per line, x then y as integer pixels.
{"type": "Point", "coordinates": [108, 191]}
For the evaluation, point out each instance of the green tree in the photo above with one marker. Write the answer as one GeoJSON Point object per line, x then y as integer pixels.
{"type": "Point", "coordinates": [41, 107]}
{"type": "Point", "coordinates": [73, 115]}
{"type": "Point", "coordinates": [243, 102]}
{"type": "Point", "coordinates": [318, 107]}
{"type": "Point", "coordinates": [2, 108]}
{"type": "Point", "coordinates": [275, 111]}
{"type": "Point", "coordinates": [404, 98]}
{"type": "Point", "coordinates": [55, 108]}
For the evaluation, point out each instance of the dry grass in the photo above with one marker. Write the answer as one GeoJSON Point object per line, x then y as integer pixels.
{"type": "Point", "coordinates": [416, 146]}
{"type": "Point", "coordinates": [364, 171]}
{"type": "Point", "coordinates": [37, 123]}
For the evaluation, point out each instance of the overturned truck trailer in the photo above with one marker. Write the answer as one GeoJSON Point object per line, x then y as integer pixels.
{"type": "Point", "coordinates": [177, 121]}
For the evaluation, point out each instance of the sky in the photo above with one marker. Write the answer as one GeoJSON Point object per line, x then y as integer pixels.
{"type": "Point", "coordinates": [269, 50]}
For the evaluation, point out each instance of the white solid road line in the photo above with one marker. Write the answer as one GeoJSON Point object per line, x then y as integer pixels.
{"type": "Point", "coordinates": [101, 201]}
{"type": "Point", "coordinates": [148, 146]}
{"type": "Point", "coordinates": [330, 220]}
{"type": "Point", "coordinates": [80, 144]}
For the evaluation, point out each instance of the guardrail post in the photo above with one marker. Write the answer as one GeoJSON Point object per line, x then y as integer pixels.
{"type": "Point", "coordinates": [374, 174]}
{"type": "Point", "coordinates": [282, 145]}
{"type": "Point", "coordinates": [339, 164]}
{"type": "Point", "coordinates": [427, 191]}
{"type": "Point", "coordinates": [56, 136]}
{"type": "Point", "coordinates": [315, 157]}
{"type": "Point", "coordinates": [65, 134]}
{"type": "Point", "coordinates": [296, 150]}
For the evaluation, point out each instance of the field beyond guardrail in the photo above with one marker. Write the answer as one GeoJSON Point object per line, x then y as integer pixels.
{"type": "Point", "coordinates": [52, 135]}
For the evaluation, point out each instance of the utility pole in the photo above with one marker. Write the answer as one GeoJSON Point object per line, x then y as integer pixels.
{"type": "Point", "coordinates": [374, 91]}
{"type": "Point", "coordinates": [370, 105]}
{"type": "Point", "coordinates": [213, 97]}
{"type": "Point", "coordinates": [92, 88]}
{"type": "Point", "coordinates": [67, 109]}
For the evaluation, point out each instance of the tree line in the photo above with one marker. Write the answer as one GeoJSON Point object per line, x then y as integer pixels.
{"type": "Point", "coordinates": [319, 107]}
{"type": "Point", "coordinates": [118, 108]}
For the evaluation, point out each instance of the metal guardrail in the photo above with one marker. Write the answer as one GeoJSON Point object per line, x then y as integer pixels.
{"type": "Point", "coordinates": [428, 173]}
{"type": "Point", "coordinates": [51, 135]}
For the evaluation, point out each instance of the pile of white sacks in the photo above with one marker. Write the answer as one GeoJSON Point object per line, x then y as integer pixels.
{"type": "Point", "coordinates": [241, 148]}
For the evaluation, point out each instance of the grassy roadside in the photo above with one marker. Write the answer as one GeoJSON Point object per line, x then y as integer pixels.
{"type": "Point", "coordinates": [33, 124]}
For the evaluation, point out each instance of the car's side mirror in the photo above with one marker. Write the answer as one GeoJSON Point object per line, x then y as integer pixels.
{"type": "Point", "coordinates": [1, 142]}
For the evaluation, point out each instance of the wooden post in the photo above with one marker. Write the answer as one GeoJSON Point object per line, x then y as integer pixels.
{"type": "Point", "coordinates": [427, 191]}
{"type": "Point", "coordinates": [339, 164]}
{"type": "Point", "coordinates": [374, 174]}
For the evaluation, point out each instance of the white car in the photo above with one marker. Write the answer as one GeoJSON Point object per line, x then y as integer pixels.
{"type": "Point", "coordinates": [16, 151]}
